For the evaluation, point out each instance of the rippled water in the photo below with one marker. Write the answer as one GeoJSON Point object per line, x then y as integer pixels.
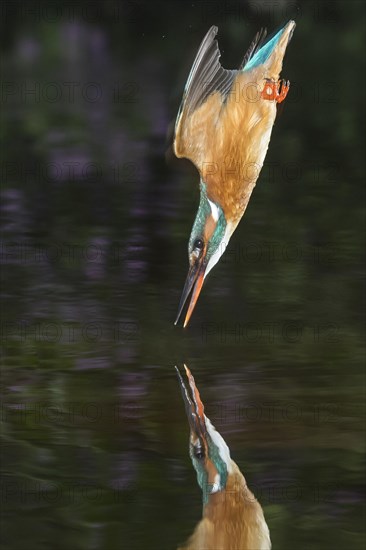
{"type": "Point", "coordinates": [96, 214]}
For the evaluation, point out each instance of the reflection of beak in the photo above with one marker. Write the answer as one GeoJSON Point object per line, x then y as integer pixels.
{"type": "Point", "coordinates": [195, 277]}
{"type": "Point", "coordinates": [193, 405]}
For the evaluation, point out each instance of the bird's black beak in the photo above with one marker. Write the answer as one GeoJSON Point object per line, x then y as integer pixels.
{"type": "Point", "coordinates": [193, 405]}
{"type": "Point", "coordinates": [195, 278]}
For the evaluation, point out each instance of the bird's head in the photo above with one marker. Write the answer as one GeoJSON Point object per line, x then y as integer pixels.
{"type": "Point", "coordinates": [209, 453]}
{"type": "Point", "coordinates": [209, 237]}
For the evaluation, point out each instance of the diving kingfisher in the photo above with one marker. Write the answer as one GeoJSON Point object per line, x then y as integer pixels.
{"type": "Point", "coordinates": [232, 517]}
{"type": "Point", "coordinates": [224, 127]}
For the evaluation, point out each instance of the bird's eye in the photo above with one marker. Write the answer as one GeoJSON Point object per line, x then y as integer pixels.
{"type": "Point", "coordinates": [199, 453]}
{"type": "Point", "coordinates": [198, 244]}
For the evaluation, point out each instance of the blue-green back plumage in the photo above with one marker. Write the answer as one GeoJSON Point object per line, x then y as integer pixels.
{"type": "Point", "coordinates": [203, 212]}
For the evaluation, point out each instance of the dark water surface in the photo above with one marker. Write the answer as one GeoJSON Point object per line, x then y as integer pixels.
{"type": "Point", "coordinates": [96, 214]}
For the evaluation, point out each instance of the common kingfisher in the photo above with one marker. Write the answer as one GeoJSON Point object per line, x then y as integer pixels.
{"type": "Point", "coordinates": [224, 126]}
{"type": "Point", "coordinates": [232, 517]}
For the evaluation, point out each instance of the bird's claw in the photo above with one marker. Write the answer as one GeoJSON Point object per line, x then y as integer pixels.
{"type": "Point", "coordinates": [275, 91]}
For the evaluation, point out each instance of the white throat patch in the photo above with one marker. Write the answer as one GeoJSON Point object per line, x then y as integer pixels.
{"type": "Point", "coordinates": [219, 441]}
{"type": "Point", "coordinates": [216, 486]}
{"type": "Point", "coordinates": [221, 248]}
{"type": "Point", "coordinates": [214, 210]}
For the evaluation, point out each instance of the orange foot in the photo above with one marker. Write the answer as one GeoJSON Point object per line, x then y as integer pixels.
{"type": "Point", "coordinates": [275, 91]}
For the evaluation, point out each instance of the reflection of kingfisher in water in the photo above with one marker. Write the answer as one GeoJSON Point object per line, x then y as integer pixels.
{"type": "Point", "coordinates": [224, 126]}
{"type": "Point", "coordinates": [232, 517]}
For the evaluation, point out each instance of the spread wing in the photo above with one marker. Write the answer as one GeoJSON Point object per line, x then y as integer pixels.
{"type": "Point", "coordinates": [206, 90]}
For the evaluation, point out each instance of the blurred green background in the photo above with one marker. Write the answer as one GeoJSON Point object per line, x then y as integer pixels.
{"type": "Point", "coordinates": [96, 214]}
